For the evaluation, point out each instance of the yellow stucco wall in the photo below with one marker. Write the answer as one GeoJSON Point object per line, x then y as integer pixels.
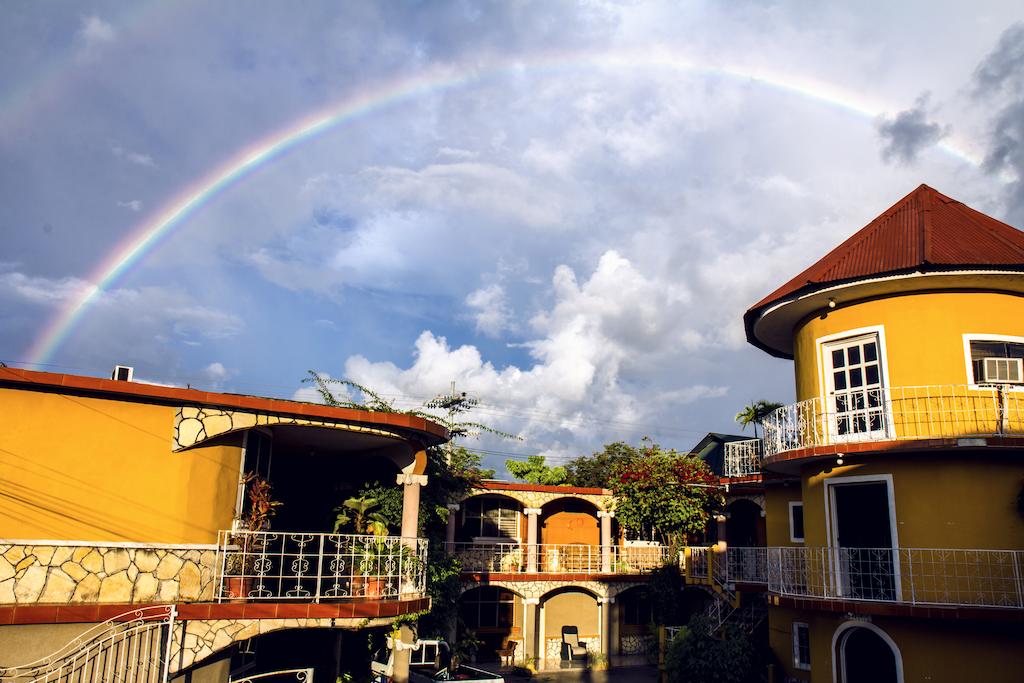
{"type": "Point", "coordinates": [78, 468]}
{"type": "Point", "coordinates": [571, 527]}
{"type": "Point", "coordinates": [571, 608]}
{"type": "Point", "coordinates": [931, 650]}
{"type": "Point", "coordinates": [943, 499]}
{"type": "Point", "coordinates": [923, 334]}
{"type": "Point", "coordinates": [777, 499]}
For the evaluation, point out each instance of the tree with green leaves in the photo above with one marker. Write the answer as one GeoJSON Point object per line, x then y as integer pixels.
{"type": "Point", "coordinates": [596, 470]}
{"type": "Point", "coordinates": [665, 496]}
{"type": "Point", "coordinates": [755, 413]}
{"type": "Point", "coordinates": [535, 471]}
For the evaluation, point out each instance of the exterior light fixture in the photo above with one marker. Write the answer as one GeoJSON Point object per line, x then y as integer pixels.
{"type": "Point", "coordinates": [831, 302]}
{"type": "Point", "coordinates": [839, 459]}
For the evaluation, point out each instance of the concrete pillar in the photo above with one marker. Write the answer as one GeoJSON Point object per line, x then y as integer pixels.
{"type": "Point", "coordinates": [605, 623]}
{"type": "Point", "coordinates": [450, 535]}
{"type": "Point", "coordinates": [531, 538]}
{"type": "Point", "coordinates": [613, 627]}
{"type": "Point", "coordinates": [402, 649]}
{"type": "Point", "coordinates": [606, 541]}
{"type": "Point", "coordinates": [411, 506]}
{"type": "Point", "coordinates": [721, 521]}
{"type": "Point", "coordinates": [530, 629]}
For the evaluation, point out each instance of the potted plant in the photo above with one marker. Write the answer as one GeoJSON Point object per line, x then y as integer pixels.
{"type": "Point", "coordinates": [240, 563]}
{"type": "Point", "coordinates": [358, 511]}
{"type": "Point", "coordinates": [510, 561]}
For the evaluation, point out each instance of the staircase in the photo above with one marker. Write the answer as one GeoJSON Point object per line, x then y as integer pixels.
{"type": "Point", "coordinates": [747, 617]}
{"type": "Point", "coordinates": [133, 646]}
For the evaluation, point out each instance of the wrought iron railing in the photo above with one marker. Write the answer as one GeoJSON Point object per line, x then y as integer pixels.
{"type": "Point", "coordinates": [896, 413]}
{"type": "Point", "coordinates": [743, 458]}
{"type": "Point", "coordinates": [560, 558]}
{"type": "Point", "coordinates": [917, 576]}
{"type": "Point", "coordinates": [299, 675]}
{"type": "Point", "coordinates": [271, 565]}
{"type": "Point", "coordinates": [133, 646]}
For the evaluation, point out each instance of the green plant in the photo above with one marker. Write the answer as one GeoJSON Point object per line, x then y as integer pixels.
{"type": "Point", "coordinates": [598, 661]}
{"type": "Point", "coordinates": [696, 657]}
{"type": "Point", "coordinates": [262, 507]}
{"type": "Point", "coordinates": [363, 520]}
{"type": "Point", "coordinates": [755, 413]}
{"type": "Point", "coordinates": [534, 471]}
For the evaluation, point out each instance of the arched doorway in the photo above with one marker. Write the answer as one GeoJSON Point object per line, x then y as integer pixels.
{"type": "Point", "coordinates": [568, 606]}
{"type": "Point", "coordinates": [494, 616]}
{"type": "Point", "coordinates": [864, 653]}
{"type": "Point", "coordinates": [744, 526]}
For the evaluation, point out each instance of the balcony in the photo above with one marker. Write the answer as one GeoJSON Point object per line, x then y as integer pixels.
{"type": "Point", "coordinates": [554, 558]}
{"type": "Point", "coordinates": [938, 577]}
{"type": "Point", "coordinates": [743, 458]}
{"type": "Point", "coordinates": [896, 414]}
{"type": "Point", "coordinates": [312, 567]}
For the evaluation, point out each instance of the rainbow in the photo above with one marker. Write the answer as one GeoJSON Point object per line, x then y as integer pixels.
{"type": "Point", "coordinates": [145, 237]}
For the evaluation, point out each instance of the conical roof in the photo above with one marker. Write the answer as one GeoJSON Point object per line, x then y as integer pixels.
{"type": "Point", "coordinates": [924, 231]}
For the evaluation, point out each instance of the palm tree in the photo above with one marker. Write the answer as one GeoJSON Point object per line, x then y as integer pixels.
{"type": "Point", "coordinates": [755, 413]}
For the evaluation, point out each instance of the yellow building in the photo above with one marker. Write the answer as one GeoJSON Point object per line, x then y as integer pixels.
{"type": "Point", "coordinates": [127, 515]}
{"type": "Point", "coordinates": [894, 483]}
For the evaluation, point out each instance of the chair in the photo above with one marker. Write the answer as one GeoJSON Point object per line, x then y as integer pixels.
{"type": "Point", "coordinates": [572, 650]}
{"type": "Point", "coordinates": [507, 653]}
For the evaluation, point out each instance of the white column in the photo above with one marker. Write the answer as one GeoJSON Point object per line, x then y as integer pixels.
{"type": "Point", "coordinates": [531, 538]}
{"type": "Point", "coordinates": [720, 520]}
{"type": "Point", "coordinates": [450, 536]}
{"type": "Point", "coordinates": [604, 623]}
{"type": "Point", "coordinates": [606, 540]}
{"type": "Point", "coordinates": [411, 506]}
{"type": "Point", "coordinates": [530, 629]}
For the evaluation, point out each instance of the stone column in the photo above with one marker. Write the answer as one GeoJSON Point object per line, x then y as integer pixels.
{"type": "Point", "coordinates": [411, 506]}
{"type": "Point", "coordinates": [450, 537]}
{"type": "Point", "coordinates": [530, 629]}
{"type": "Point", "coordinates": [531, 538]}
{"type": "Point", "coordinates": [721, 521]}
{"type": "Point", "coordinates": [606, 540]}
{"type": "Point", "coordinates": [605, 623]}
{"type": "Point", "coordinates": [402, 650]}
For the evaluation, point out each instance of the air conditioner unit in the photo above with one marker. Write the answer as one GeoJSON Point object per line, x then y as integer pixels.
{"type": "Point", "coordinates": [122, 373]}
{"type": "Point", "coordinates": [1002, 371]}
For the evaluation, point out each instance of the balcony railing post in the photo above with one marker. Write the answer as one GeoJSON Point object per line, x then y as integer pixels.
{"type": "Point", "coordinates": [319, 569]}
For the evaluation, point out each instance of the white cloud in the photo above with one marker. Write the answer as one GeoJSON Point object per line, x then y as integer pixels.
{"type": "Point", "coordinates": [490, 310]}
{"type": "Point", "coordinates": [216, 372]}
{"type": "Point", "coordinates": [134, 205]}
{"type": "Point", "coordinates": [94, 31]}
{"type": "Point", "coordinates": [137, 158]}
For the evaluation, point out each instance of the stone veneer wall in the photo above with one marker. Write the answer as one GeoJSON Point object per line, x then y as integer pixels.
{"type": "Point", "coordinates": [62, 574]}
{"type": "Point", "coordinates": [553, 646]}
{"type": "Point", "coordinates": [635, 645]}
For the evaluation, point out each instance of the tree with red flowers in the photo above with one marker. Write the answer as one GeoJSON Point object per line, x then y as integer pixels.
{"type": "Point", "coordinates": [665, 495]}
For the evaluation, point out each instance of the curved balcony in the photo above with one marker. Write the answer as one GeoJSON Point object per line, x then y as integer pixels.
{"type": "Point", "coordinates": [888, 414]}
{"type": "Point", "coordinates": [937, 577]}
{"type": "Point", "coordinates": [311, 567]}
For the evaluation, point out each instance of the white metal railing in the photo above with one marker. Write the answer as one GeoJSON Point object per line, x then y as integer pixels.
{"type": "Point", "coordinates": [133, 646]}
{"type": "Point", "coordinates": [303, 675]}
{"type": "Point", "coordinates": [895, 413]}
{"type": "Point", "coordinates": [918, 576]}
{"type": "Point", "coordinates": [566, 558]}
{"type": "Point", "coordinates": [271, 565]}
{"type": "Point", "coordinates": [742, 458]}
{"type": "Point", "coordinates": [747, 564]}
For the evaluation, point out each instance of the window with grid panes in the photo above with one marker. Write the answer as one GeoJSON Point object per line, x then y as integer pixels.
{"type": "Point", "coordinates": [855, 385]}
{"type": "Point", "coordinates": [488, 607]}
{"type": "Point", "coordinates": [492, 518]}
{"type": "Point", "coordinates": [637, 609]}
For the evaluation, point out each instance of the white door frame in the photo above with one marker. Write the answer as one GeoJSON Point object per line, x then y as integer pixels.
{"type": "Point", "coordinates": [832, 523]}
{"type": "Point", "coordinates": [825, 378]}
{"type": "Point", "coordinates": [839, 648]}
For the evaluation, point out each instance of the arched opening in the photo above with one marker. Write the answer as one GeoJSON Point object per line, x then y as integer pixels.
{"type": "Point", "coordinates": [569, 606]}
{"type": "Point", "coordinates": [866, 654]}
{"type": "Point", "coordinates": [492, 615]}
{"type": "Point", "coordinates": [635, 615]}
{"type": "Point", "coordinates": [744, 526]}
{"type": "Point", "coordinates": [570, 536]}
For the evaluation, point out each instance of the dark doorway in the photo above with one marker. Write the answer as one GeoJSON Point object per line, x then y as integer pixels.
{"type": "Point", "coordinates": [743, 528]}
{"type": "Point", "coordinates": [863, 534]}
{"type": "Point", "coordinates": [866, 658]}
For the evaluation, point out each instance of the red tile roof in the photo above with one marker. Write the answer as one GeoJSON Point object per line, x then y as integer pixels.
{"type": "Point", "coordinates": [925, 230]}
{"type": "Point", "coordinates": [429, 432]}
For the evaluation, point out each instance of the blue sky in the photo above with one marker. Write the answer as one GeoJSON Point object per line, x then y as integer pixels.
{"type": "Point", "coordinates": [568, 217]}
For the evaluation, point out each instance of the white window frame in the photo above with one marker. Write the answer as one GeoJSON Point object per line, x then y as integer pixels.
{"type": "Point", "coordinates": [793, 538]}
{"type": "Point", "coordinates": [825, 377]}
{"type": "Point", "coordinates": [969, 366]}
{"type": "Point", "coordinates": [831, 523]}
{"type": "Point", "coordinates": [797, 662]}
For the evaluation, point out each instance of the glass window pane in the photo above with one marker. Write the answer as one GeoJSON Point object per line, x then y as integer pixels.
{"type": "Point", "coordinates": [874, 398]}
{"type": "Point", "coordinates": [860, 423]}
{"type": "Point", "coordinates": [837, 358]}
{"type": "Point", "coordinates": [871, 372]}
{"type": "Point", "coordinates": [856, 377]}
{"type": "Point", "coordinates": [843, 425]}
{"type": "Point", "coordinates": [842, 403]}
{"type": "Point", "coordinates": [870, 352]}
{"type": "Point", "coordinates": [505, 614]}
{"type": "Point", "coordinates": [876, 420]}
{"type": "Point", "coordinates": [839, 380]}
{"type": "Point", "coordinates": [854, 354]}
{"type": "Point", "coordinates": [858, 400]}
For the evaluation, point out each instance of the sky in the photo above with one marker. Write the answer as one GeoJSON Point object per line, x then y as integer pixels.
{"type": "Point", "coordinates": [563, 207]}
